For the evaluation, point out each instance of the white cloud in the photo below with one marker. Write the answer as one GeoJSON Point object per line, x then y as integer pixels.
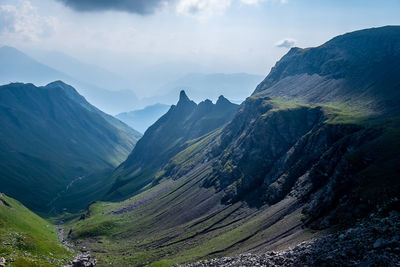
{"type": "Point", "coordinates": [23, 22]}
{"type": "Point", "coordinates": [201, 8]}
{"type": "Point", "coordinates": [286, 43]}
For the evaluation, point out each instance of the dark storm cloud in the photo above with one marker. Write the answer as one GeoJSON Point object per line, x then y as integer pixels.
{"type": "Point", "coordinates": [142, 7]}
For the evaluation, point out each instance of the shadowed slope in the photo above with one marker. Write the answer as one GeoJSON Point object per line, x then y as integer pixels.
{"type": "Point", "coordinates": [48, 140]}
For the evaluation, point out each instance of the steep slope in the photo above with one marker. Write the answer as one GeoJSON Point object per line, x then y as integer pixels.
{"type": "Point", "coordinates": [26, 239]}
{"type": "Point", "coordinates": [357, 70]}
{"type": "Point", "coordinates": [167, 137]}
{"type": "Point", "coordinates": [74, 95]}
{"type": "Point", "coordinates": [15, 66]}
{"type": "Point", "coordinates": [282, 171]}
{"type": "Point", "coordinates": [48, 141]}
{"type": "Point", "coordinates": [142, 119]}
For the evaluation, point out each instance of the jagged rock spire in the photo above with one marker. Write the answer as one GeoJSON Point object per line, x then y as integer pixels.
{"type": "Point", "coordinates": [183, 97]}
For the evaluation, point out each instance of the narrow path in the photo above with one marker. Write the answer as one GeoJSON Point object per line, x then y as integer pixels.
{"type": "Point", "coordinates": [59, 194]}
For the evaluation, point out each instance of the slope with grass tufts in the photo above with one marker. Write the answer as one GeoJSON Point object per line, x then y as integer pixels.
{"type": "Point", "coordinates": [26, 239]}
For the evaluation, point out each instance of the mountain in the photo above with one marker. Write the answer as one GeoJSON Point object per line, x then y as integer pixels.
{"type": "Point", "coordinates": [308, 164]}
{"type": "Point", "coordinates": [199, 86]}
{"type": "Point", "coordinates": [18, 67]}
{"type": "Point", "coordinates": [167, 137]}
{"type": "Point", "coordinates": [142, 119]}
{"type": "Point", "coordinates": [50, 138]}
{"type": "Point", "coordinates": [27, 239]}
{"type": "Point", "coordinates": [75, 96]}
{"type": "Point", "coordinates": [338, 72]}
{"type": "Point", "coordinates": [82, 71]}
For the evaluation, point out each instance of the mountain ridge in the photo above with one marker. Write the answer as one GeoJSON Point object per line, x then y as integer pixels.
{"type": "Point", "coordinates": [48, 139]}
{"type": "Point", "coordinates": [328, 72]}
{"type": "Point", "coordinates": [282, 170]}
{"type": "Point", "coordinates": [184, 121]}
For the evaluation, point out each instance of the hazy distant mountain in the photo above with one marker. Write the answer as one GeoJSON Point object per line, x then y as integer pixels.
{"type": "Point", "coordinates": [50, 137]}
{"type": "Point", "coordinates": [234, 86]}
{"type": "Point", "coordinates": [84, 72]}
{"type": "Point", "coordinates": [16, 66]}
{"type": "Point", "coordinates": [142, 119]}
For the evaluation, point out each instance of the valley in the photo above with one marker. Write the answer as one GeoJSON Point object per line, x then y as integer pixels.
{"type": "Point", "coordinates": [305, 171]}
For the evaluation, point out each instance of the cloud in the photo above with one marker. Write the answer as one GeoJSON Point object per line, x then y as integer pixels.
{"type": "Point", "coordinates": [198, 8]}
{"type": "Point", "coordinates": [256, 2]}
{"type": "Point", "coordinates": [201, 8]}
{"type": "Point", "coordinates": [141, 7]}
{"type": "Point", "coordinates": [286, 43]}
{"type": "Point", "coordinates": [23, 22]}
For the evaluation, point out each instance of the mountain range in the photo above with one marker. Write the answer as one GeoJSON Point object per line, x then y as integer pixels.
{"type": "Point", "coordinates": [304, 172]}
{"type": "Point", "coordinates": [200, 86]}
{"type": "Point", "coordinates": [18, 67]}
{"type": "Point", "coordinates": [312, 149]}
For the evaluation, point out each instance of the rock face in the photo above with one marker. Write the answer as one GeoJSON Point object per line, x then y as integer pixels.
{"type": "Point", "coordinates": [372, 241]}
{"type": "Point", "coordinates": [166, 138]}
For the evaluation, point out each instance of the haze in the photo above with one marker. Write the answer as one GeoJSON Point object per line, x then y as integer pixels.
{"type": "Point", "coordinates": [148, 44]}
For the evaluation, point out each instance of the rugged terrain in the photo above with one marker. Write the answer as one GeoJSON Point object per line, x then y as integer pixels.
{"type": "Point", "coordinates": [305, 171]}
{"type": "Point", "coordinates": [164, 139]}
{"type": "Point", "coordinates": [312, 150]}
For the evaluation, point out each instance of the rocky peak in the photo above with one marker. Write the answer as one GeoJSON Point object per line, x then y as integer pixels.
{"type": "Point", "coordinates": [222, 100]}
{"type": "Point", "coordinates": [183, 97]}
{"type": "Point", "coordinates": [185, 103]}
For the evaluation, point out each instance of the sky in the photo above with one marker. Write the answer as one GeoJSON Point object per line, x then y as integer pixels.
{"type": "Point", "coordinates": [136, 38]}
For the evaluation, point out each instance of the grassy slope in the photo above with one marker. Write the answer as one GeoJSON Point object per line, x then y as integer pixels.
{"type": "Point", "coordinates": [48, 140]}
{"type": "Point", "coordinates": [28, 239]}
{"type": "Point", "coordinates": [179, 221]}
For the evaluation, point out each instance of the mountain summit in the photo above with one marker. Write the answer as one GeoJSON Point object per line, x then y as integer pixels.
{"type": "Point", "coordinates": [357, 69]}
{"type": "Point", "coordinates": [168, 136]}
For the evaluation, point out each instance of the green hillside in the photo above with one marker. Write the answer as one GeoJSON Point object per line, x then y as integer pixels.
{"type": "Point", "coordinates": [49, 141]}
{"type": "Point", "coordinates": [26, 239]}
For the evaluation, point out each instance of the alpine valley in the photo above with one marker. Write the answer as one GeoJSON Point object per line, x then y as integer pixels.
{"type": "Point", "coordinates": [304, 172]}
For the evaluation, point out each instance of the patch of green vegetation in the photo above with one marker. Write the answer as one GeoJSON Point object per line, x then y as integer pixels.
{"type": "Point", "coordinates": [336, 113]}
{"type": "Point", "coordinates": [28, 239]}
